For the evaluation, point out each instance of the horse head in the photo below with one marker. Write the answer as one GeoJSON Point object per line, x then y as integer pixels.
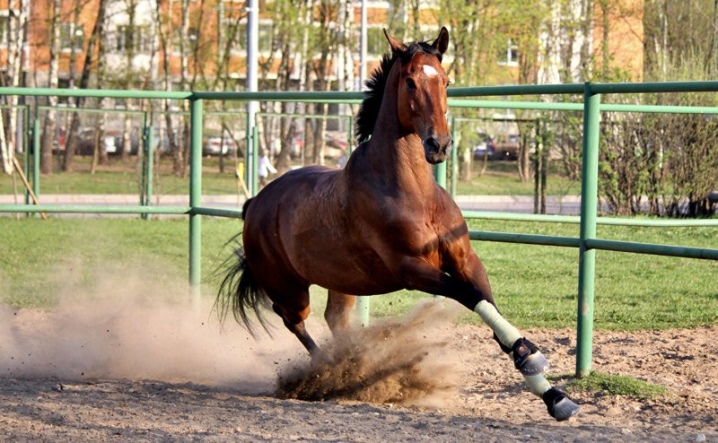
{"type": "Point", "coordinates": [421, 94]}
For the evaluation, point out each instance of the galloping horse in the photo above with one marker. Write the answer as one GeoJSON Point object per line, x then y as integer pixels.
{"type": "Point", "coordinates": [379, 225]}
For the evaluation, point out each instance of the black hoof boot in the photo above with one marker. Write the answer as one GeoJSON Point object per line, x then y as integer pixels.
{"type": "Point", "coordinates": [527, 358]}
{"type": "Point", "coordinates": [559, 405]}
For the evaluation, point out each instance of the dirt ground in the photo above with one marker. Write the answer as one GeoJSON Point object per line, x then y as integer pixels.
{"type": "Point", "coordinates": [151, 372]}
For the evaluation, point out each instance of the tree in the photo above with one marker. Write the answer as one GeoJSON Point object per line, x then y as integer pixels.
{"type": "Point", "coordinates": [287, 37]}
{"type": "Point", "coordinates": [325, 42]}
{"type": "Point", "coordinates": [474, 57]}
{"type": "Point", "coordinates": [87, 69]}
{"type": "Point", "coordinates": [99, 154]}
{"type": "Point", "coordinates": [49, 125]}
{"type": "Point", "coordinates": [164, 33]}
{"type": "Point", "coordinates": [16, 41]}
{"type": "Point", "coordinates": [668, 159]}
{"type": "Point", "coordinates": [522, 27]}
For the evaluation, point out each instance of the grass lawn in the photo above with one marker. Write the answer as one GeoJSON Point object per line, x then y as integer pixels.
{"type": "Point", "coordinates": [534, 286]}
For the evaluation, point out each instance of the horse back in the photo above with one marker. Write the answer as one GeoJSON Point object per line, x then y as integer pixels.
{"type": "Point", "coordinates": [283, 215]}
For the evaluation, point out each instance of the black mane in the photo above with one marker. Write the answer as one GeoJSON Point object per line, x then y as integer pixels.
{"type": "Point", "coordinates": [369, 110]}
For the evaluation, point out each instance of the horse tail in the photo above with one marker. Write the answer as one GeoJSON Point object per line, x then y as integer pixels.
{"type": "Point", "coordinates": [239, 291]}
{"type": "Point", "coordinates": [245, 206]}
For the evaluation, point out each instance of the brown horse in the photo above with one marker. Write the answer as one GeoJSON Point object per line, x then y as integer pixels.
{"type": "Point", "coordinates": [379, 225]}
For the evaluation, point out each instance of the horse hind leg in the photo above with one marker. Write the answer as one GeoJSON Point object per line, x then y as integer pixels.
{"type": "Point", "coordinates": [294, 316]}
{"type": "Point", "coordinates": [338, 311]}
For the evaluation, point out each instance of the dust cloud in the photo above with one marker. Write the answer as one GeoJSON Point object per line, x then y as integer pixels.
{"type": "Point", "coordinates": [402, 360]}
{"type": "Point", "coordinates": [130, 324]}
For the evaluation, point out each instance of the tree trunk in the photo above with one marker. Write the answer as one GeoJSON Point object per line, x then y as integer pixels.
{"type": "Point", "coordinates": [49, 125]}
{"type": "Point", "coordinates": [16, 42]}
{"type": "Point", "coordinates": [165, 49]}
{"type": "Point", "coordinates": [305, 82]}
{"type": "Point", "coordinates": [126, 145]}
{"type": "Point", "coordinates": [73, 133]}
{"type": "Point", "coordinates": [587, 30]}
{"type": "Point", "coordinates": [7, 154]}
{"type": "Point", "coordinates": [178, 156]}
{"type": "Point", "coordinates": [100, 153]}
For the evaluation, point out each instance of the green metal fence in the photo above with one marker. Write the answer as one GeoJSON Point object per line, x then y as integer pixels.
{"type": "Point", "coordinates": [587, 241]}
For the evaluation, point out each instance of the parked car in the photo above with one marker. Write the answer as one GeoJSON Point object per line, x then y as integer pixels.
{"type": "Point", "coordinates": [485, 147]}
{"type": "Point", "coordinates": [335, 147]}
{"type": "Point", "coordinates": [219, 145]}
{"type": "Point", "coordinates": [507, 148]}
{"type": "Point", "coordinates": [86, 143]}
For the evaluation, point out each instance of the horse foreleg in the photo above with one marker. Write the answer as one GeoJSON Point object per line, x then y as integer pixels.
{"type": "Point", "coordinates": [477, 297]}
{"type": "Point", "coordinates": [338, 311]}
{"type": "Point", "coordinates": [528, 360]}
{"type": "Point", "coordinates": [527, 357]}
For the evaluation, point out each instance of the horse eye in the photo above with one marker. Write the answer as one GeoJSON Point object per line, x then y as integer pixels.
{"type": "Point", "coordinates": [410, 84]}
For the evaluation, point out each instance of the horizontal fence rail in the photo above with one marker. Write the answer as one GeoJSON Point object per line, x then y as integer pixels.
{"type": "Point", "coordinates": [588, 102]}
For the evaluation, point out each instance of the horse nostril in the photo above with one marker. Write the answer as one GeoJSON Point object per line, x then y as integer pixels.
{"type": "Point", "coordinates": [433, 144]}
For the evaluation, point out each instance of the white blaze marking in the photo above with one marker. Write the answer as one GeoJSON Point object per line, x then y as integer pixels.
{"type": "Point", "coordinates": [430, 71]}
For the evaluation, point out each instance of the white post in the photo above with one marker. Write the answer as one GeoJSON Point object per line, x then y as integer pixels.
{"type": "Point", "coordinates": [362, 47]}
{"type": "Point", "coordinates": [252, 106]}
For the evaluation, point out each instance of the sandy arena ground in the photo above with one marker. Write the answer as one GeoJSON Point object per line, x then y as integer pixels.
{"type": "Point", "coordinates": [139, 371]}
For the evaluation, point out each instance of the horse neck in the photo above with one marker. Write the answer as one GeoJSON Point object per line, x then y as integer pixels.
{"type": "Point", "coordinates": [396, 155]}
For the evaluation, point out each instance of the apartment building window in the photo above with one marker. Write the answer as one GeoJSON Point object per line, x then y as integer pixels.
{"type": "Point", "coordinates": [264, 39]}
{"type": "Point", "coordinates": [135, 38]}
{"type": "Point", "coordinates": [239, 41]}
{"type": "Point", "coordinates": [509, 55]}
{"type": "Point", "coordinates": [237, 32]}
{"type": "Point", "coordinates": [190, 45]}
{"type": "Point", "coordinates": [71, 37]}
{"type": "Point", "coordinates": [4, 29]}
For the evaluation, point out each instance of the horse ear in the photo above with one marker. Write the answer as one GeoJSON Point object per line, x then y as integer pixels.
{"type": "Point", "coordinates": [397, 46]}
{"type": "Point", "coordinates": [441, 43]}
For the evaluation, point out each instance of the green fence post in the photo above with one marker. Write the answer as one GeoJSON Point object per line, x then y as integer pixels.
{"type": "Point", "coordinates": [36, 157]}
{"type": "Point", "coordinates": [249, 170]}
{"type": "Point", "coordinates": [440, 174]}
{"type": "Point", "coordinates": [26, 137]}
{"type": "Point", "coordinates": [150, 160]}
{"type": "Point", "coordinates": [195, 199]}
{"type": "Point", "coordinates": [350, 136]}
{"type": "Point", "coordinates": [454, 159]}
{"type": "Point", "coordinates": [144, 200]}
{"type": "Point", "coordinates": [586, 256]}
{"type": "Point", "coordinates": [254, 160]}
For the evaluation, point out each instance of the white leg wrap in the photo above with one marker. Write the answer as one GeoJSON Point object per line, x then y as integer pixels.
{"type": "Point", "coordinates": [537, 383]}
{"type": "Point", "coordinates": [506, 333]}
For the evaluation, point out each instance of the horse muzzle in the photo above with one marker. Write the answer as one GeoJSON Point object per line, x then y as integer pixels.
{"type": "Point", "coordinates": [437, 149]}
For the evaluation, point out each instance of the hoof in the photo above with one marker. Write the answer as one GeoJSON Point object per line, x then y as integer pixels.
{"type": "Point", "coordinates": [559, 405]}
{"type": "Point", "coordinates": [527, 358]}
